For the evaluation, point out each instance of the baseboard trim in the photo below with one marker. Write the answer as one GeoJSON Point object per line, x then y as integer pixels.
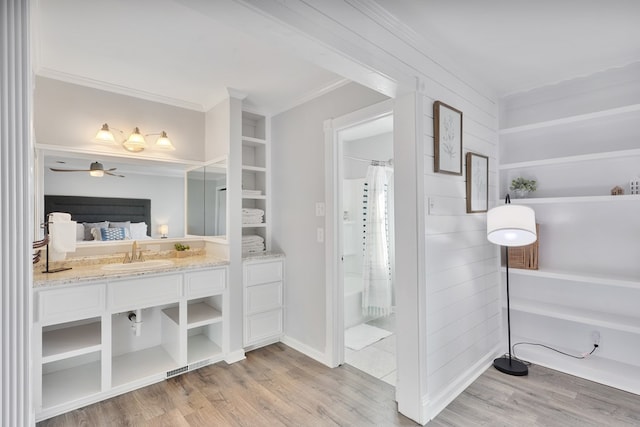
{"type": "Point", "coordinates": [235, 356]}
{"type": "Point", "coordinates": [432, 407]}
{"type": "Point", "coordinates": [306, 350]}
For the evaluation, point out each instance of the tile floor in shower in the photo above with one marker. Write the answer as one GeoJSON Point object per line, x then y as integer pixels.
{"type": "Point", "coordinates": [379, 358]}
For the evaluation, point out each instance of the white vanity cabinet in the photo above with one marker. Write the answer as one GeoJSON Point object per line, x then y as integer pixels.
{"type": "Point", "coordinates": [263, 301]}
{"type": "Point", "coordinates": [86, 348]}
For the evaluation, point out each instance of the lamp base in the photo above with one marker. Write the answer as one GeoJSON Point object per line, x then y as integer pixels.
{"type": "Point", "coordinates": [510, 366]}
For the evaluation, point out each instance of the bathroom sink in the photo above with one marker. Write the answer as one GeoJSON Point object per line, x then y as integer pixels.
{"type": "Point", "coordinates": [138, 266]}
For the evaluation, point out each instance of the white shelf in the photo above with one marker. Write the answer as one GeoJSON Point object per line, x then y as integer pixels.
{"type": "Point", "coordinates": [570, 119]}
{"type": "Point", "coordinates": [72, 384]}
{"type": "Point", "coordinates": [255, 197]}
{"type": "Point", "coordinates": [598, 280]}
{"type": "Point", "coordinates": [200, 347]}
{"type": "Point", "coordinates": [261, 225]}
{"type": "Point", "coordinates": [571, 159]}
{"type": "Point", "coordinates": [249, 168]}
{"type": "Point", "coordinates": [589, 317]}
{"type": "Point", "coordinates": [253, 142]}
{"type": "Point", "coordinates": [72, 341]}
{"type": "Point", "coordinates": [136, 365]}
{"type": "Point", "coordinates": [594, 368]}
{"type": "Point", "coordinates": [201, 314]}
{"type": "Point", "coordinates": [577, 199]}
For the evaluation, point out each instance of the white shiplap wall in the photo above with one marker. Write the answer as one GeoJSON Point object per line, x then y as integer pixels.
{"type": "Point", "coordinates": [462, 281]}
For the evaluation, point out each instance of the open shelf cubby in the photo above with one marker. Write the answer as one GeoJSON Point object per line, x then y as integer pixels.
{"type": "Point", "coordinates": [70, 379]}
{"type": "Point", "coordinates": [70, 340]}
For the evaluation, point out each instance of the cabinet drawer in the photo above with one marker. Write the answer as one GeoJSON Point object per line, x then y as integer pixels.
{"type": "Point", "coordinates": [79, 302]}
{"type": "Point", "coordinates": [263, 272]}
{"type": "Point", "coordinates": [203, 283]}
{"type": "Point", "coordinates": [145, 292]}
{"type": "Point", "coordinates": [263, 326]}
{"type": "Point", "coordinates": [264, 297]}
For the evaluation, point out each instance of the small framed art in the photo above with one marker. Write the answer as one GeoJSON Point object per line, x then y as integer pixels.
{"type": "Point", "coordinates": [477, 183]}
{"type": "Point", "coordinates": [447, 137]}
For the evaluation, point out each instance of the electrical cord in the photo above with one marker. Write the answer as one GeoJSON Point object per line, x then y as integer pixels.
{"type": "Point", "coordinates": [584, 356]}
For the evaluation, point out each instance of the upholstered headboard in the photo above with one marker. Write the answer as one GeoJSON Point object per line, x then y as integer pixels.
{"type": "Point", "coordinates": [96, 209]}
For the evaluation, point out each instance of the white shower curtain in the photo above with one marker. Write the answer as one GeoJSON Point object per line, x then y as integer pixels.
{"type": "Point", "coordinates": [377, 296]}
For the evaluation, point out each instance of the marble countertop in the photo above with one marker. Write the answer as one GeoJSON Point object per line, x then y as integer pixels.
{"type": "Point", "coordinates": [84, 272]}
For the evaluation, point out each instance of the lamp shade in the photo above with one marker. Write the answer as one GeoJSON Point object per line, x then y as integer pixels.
{"type": "Point", "coordinates": [105, 135]}
{"type": "Point", "coordinates": [511, 225]}
{"type": "Point", "coordinates": [164, 143]}
{"type": "Point", "coordinates": [136, 142]}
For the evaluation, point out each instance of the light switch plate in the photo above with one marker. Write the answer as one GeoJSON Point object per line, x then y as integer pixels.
{"type": "Point", "coordinates": [320, 235]}
{"type": "Point", "coordinates": [319, 208]}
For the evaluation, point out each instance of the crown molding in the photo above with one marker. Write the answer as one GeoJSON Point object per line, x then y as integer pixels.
{"type": "Point", "coordinates": [122, 90]}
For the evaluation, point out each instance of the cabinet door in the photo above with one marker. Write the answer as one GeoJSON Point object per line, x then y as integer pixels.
{"type": "Point", "coordinates": [264, 297]}
{"type": "Point", "coordinates": [78, 302]}
{"type": "Point", "coordinates": [205, 283]}
{"type": "Point", "coordinates": [144, 292]}
{"type": "Point", "coordinates": [263, 272]}
{"type": "Point", "coordinates": [263, 326]}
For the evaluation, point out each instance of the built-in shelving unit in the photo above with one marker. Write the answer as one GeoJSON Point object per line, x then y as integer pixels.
{"type": "Point", "coordinates": [589, 277]}
{"type": "Point", "coordinates": [72, 341]}
{"type": "Point", "coordinates": [255, 172]}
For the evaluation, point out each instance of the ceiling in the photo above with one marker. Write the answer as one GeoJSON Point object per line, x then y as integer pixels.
{"type": "Point", "coordinates": [516, 45]}
{"type": "Point", "coordinates": [165, 50]}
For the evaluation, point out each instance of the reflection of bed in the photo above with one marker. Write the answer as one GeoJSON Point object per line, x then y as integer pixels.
{"type": "Point", "coordinates": [96, 209]}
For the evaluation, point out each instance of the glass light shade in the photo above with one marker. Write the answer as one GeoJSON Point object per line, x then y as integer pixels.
{"type": "Point", "coordinates": [105, 135]}
{"type": "Point", "coordinates": [136, 142]}
{"type": "Point", "coordinates": [96, 169]}
{"type": "Point", "coordinates": [164, 143]}
{"type": "Point", "coordinates": [164, 230]}
{"type": "Point", "coordinates": [511, 225]}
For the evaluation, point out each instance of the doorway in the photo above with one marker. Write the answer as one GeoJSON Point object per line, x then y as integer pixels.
{"type": "Point", "coordinates": [363, 244]}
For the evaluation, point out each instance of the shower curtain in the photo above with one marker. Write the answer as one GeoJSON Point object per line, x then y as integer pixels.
{"type": "Point", "coordinates": [377, 294]}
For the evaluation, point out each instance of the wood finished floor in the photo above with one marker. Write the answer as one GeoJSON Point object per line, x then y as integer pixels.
{"type": "Point", "coordinates": [277, 386]}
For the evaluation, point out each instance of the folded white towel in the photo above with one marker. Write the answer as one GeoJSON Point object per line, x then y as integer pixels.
{"type": "Point", "coordinates": [251, 192]}
{"type": "Point", "coordinates": [251, 211]}
{"type": "Point", "coordinates": [252, 238]}
{"type": "Point", "coordinates": [252, 219]}
{"type": "Point", "coordinates": [62, 237]}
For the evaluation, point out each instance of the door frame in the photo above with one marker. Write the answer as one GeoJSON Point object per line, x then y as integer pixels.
{"type": "Point", "coordinates": [334, 173]}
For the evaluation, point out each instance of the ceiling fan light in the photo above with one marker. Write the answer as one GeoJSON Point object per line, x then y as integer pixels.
{"type": "Point", "coordinates": [164, 143]}
{"type": "Point", "coordinates": [96, 169]}
{"type": "Point", "coordinates": [136, 142]}
{"type": "Point", "coordinates": [105, 135]}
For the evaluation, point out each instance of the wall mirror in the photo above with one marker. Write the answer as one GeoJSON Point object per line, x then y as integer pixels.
{"type": "Point", "coordinates": [206, 196]}
{"type": "Point", "coordinates": [162, 182]}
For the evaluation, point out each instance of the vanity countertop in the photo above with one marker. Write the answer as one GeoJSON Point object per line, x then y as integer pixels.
{"type": "Point", "coordinates": [82, 273]}
{"type": "Point", "coordinates": [262, 256]}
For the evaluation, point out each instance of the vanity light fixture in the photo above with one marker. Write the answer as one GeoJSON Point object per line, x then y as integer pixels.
{"type": "Point", "coordinates": [136, 142]}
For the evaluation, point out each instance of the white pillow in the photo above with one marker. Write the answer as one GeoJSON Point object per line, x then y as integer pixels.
{"type": "Point", "coordinates": [138, 230]}
{"type": "Point", "coordinates": [95, 232]}
{"type": "Point", "coordinates": [79, 232]}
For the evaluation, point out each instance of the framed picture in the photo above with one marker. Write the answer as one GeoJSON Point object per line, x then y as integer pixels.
{"type": "Point", "coordinates": [477, 183]}
{"type": "Point", "coordinates": [447, 137]}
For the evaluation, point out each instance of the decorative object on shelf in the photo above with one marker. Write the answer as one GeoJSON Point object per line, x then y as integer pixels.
{"type": "Point", "coordinates": [182, 251]}
{"type": "Point", "coordinates": [477, 183]}
{"type": "Point", "coordinates": [525, 257]}
{"type": "Point", "coordinates": [522, 186]}
{"type": "Point", "coordinates": [447, 126]}
{"type": "Point", "coordinates": [634, 185]}
{"type": "Point", "coordinates": [164, 231]}
{"type": "Point", "coordinates": [511, 225]}
{"type": "Point", "coordinates": [136, 142]}
{"type": "Point", "coordinates": [617, 191]}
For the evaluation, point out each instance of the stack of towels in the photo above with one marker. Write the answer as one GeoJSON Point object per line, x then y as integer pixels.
{"type": "Point", "coordinates": [252, 244]}
{"type": "Point", "coordinates": [251, 192]}
{"type": "Point", "coordinates": [252, 216]}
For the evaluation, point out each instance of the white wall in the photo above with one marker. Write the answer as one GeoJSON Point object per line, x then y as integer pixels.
{"type": "Point", "coordinates": [69, 115]}
{"type": "Point", "coordinates": [298, 183]}
{"type": "Point", "coordinates": [165, 192]}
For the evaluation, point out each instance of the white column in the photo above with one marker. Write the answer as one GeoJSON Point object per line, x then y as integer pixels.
{"type": "Point", "coordinates": [16, 192]}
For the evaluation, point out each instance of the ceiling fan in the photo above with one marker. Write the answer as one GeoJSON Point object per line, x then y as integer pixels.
{"type": "Point", "coordinates": [95, 169]}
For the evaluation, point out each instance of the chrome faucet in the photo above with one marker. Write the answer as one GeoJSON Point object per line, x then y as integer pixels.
{"type": "Point", "coordinates": [136, 255]}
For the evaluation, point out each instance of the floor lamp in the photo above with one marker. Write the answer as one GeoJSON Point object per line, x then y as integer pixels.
{"type": "Point", "coordinates": [511, 225]}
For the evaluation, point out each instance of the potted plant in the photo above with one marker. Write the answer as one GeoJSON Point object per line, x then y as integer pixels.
{"type": "Point", "coordinates": [181, 250]}
{"type": "Point", "coordinates": [523, 186]}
